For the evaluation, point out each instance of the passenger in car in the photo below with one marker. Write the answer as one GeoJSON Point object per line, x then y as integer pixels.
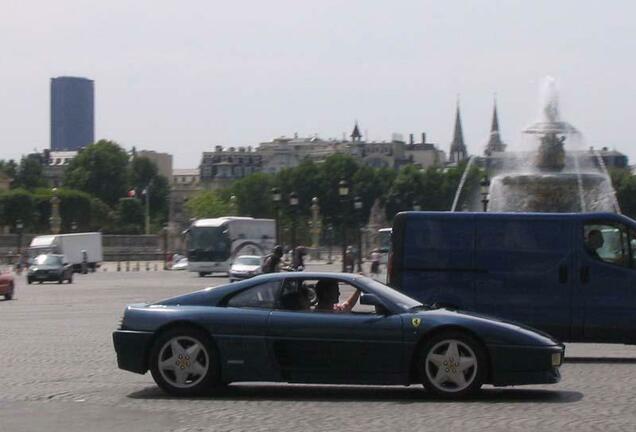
{"type": "Point", "coordinates": [328, 294]}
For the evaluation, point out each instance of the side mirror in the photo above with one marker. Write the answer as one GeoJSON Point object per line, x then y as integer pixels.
{"type": "Point", "coordinates": [374, 300]}
{"type": "Point", "coordinates": [370, 299]}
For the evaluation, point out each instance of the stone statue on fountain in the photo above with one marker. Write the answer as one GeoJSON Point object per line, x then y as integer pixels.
{"type": "Point", "coordinates": [551, 154]}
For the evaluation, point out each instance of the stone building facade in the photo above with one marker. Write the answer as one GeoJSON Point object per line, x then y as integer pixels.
{"type": "Point", "coordinates": [222, 166]}
{"type": "Point", "coordinates": [162, 160]}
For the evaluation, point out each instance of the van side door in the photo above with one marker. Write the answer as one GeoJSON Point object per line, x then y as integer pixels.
{"type": "Point", "coordinates": [528, 270]}
{"type": "Point", "coordinates": [606, 281]}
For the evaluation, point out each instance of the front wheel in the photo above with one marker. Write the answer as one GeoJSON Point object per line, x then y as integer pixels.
{"type": "Point", "coordinates": [183, 362]}
{"type": "Point", "coordinates": [452, 365]}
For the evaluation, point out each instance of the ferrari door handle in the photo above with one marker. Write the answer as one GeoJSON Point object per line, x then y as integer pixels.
{"type": "Point", "coordinates": [563, 274]}
{"type": "Point", "coordinates": [585, 274]}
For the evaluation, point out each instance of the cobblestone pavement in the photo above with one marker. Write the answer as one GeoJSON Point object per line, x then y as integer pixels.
{"type": "Point", "coordinates": [58, 373]}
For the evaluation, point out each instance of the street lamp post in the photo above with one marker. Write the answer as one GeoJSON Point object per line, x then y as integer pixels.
{"type": "Point", "coordinates": [276, 198]}
{"type": "Point", "coordinates": [19, 227]}
{"type": "Point", "coordinates": [484, 189]}
{"type": "Point", "coordinates": [293, 205]}
{"type": "Point", "coordinates": [233, 206]}
{"type": "Point", "coordinates": [357, 205]}
{"type": "Point", "coordinates": [330, 240]}
{"type": "Point", "coordinates": [55, 218]}
{"type": "Point", "coordinates": [165, 246]}
{"type": "Point", "coordinates": [343, 193]}
{"type": "Point", "coordinates": [315, 227]}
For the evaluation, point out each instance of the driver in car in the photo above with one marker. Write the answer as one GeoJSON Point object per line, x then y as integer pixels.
{"type": "Point", "coordinates": [594, 242]}
{"type": "Point", "coordinates": [328, 294]}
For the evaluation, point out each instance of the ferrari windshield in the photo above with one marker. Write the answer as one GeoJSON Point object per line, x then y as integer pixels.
{"type": "Point", "coordinates": [402, 301]}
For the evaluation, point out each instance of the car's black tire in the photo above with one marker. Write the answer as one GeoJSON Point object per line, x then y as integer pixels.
{"type": "Point", "coordinates": [9, 296]}
{"type": "Point", "coordinates": [203, 274]}
{"type": "Point", "coordinates": [60, 280]}
{"type": "Point", "coordinates": [29, 281]}
{"type": "Point", "coordinates": [461, 372]}
{"type": "Point", "coordinates": [206, 359]}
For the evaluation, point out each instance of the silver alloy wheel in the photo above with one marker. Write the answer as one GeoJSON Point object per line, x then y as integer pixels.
{"type": "Point", "coordinates": [183, 362]}
{"type": "Point", "coordinates": [451, 366]}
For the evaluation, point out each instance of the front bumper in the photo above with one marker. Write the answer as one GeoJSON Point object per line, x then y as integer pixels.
{"type": "Point", "coordinates": [518, 365]}
{"type": "Point", "coordinates": [208, 267]}
{"type": "Point", "coordinates": [132, 349]}
{"type": "Point", "coordinates": [45, 277]}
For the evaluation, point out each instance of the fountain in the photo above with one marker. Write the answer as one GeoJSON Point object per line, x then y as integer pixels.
{"type": "Point", "coordinates": [557, 176]}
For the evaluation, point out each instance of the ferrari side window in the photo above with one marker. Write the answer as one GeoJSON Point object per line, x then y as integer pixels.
{"type": "Point", "coordinates": [260, 296]}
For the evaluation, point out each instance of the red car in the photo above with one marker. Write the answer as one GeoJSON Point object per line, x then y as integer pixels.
{"type": "Point", "coordinates": [7, 286]}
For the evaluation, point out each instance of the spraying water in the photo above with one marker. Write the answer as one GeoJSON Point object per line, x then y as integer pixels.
{"type": "Point", "coordinates": [462, 181]}
{"type": "Point", "coordinates": [553, 175]}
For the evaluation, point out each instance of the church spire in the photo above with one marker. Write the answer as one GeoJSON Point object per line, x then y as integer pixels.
{"type": "Point", "coordinates": [356, 135]}
{"type": "Point", "coordinates": [458, 148]}
{"type": "Point", "coordinates": [494, 142]}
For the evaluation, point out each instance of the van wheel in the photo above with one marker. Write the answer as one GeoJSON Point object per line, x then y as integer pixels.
{"type": "Point", "coordinates": [452, 365]}
{"type": "Point", "coordinates": [183, 362]}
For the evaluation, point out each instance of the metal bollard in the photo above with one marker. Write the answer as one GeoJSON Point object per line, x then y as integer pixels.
{"type": "Point", "coordinates": [147, 266]}
{"type": "Point", "coordinates": [137, 266]}
{"type": "Point", "coordinates": [155, 266]}
{"type": "Point", "coordinates": [118, 265]}
{"type": "Point", "coordinates": [127, 265]}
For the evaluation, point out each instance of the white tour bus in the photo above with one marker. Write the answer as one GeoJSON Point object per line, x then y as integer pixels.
{"type": "Point", "coordinates": [214, 243]}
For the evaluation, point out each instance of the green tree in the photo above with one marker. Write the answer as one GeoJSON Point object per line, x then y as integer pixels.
{"type": "Point", "coordinates": [17, 204]}
{"type": "Point", "coordinates": [143, 175]}
{"type": "Point", "coordinates": [100, 170]}
{"type": "Point", "coordinates": [625, 186]}
{"type": "Point", "coordinates": [29, 172]}
{"type": "Point", "coordinates": [10, 169]}
{"type": "Point", "coordinates": [102, 217]}
{"type": "Point", "coordinates": [129, 217]}
{"type": "Point", "coordinates": [207, 204]}
{"type": "Point", "coordinates": [253, 194]}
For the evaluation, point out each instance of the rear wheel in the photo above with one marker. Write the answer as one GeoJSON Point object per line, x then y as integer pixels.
{"type": "Point", "coordinates": [452, 365]}
{"type": "Point", "coordinates": [29, 281]}
{"type": "Point", "coordinates": [203, 274]}
{"type": "Point", "coordinates": [183, 362]}
{"type": "Point", "coordinates": [9, 295]}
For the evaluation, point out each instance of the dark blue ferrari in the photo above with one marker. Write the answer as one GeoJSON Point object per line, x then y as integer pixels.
{"type": "Point", "coordinates": [293, 327]}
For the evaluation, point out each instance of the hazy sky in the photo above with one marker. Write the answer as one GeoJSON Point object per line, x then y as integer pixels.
{"type": "Point", "coordinates": [184, 76]}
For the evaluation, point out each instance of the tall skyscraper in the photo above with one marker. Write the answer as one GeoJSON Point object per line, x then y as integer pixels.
{"type": "Point", "coordinates": [72, 113]}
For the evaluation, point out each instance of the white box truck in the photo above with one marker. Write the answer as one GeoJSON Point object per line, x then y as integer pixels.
{"type": "Point", "coordinates": [72, 246]}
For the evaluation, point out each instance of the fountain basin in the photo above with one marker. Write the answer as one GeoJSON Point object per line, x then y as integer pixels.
{"type": "Point", "coordinates": [559, 192]}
